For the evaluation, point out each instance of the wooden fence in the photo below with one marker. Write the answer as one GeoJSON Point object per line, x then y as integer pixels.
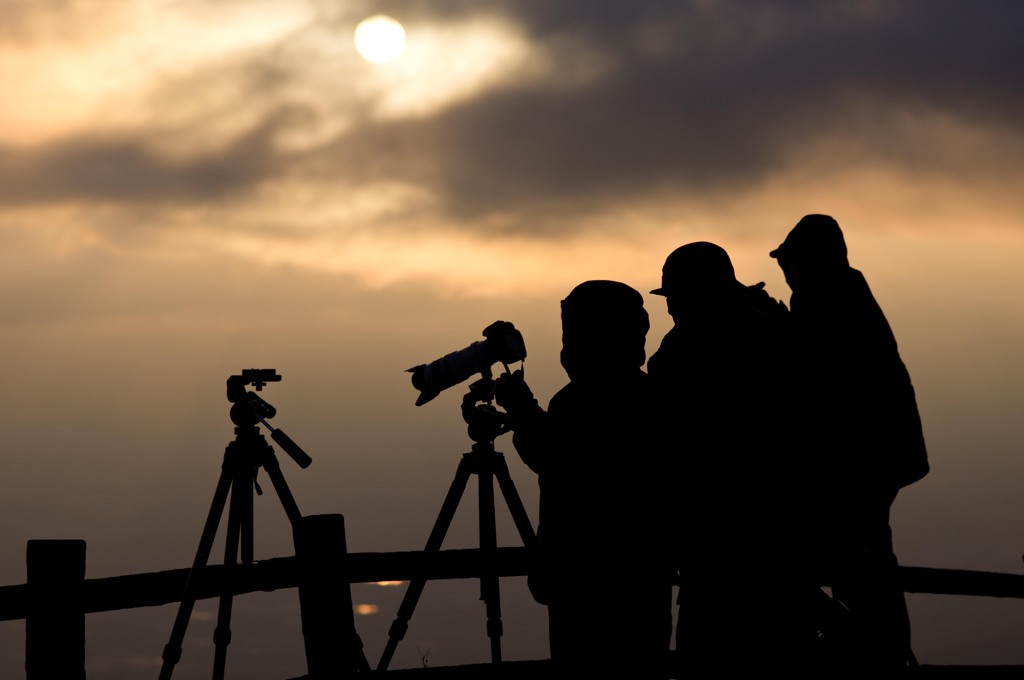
{"type": "Point", "coordinates": [56, 598]}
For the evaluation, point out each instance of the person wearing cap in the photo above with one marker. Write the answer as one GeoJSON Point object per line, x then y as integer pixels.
{"type": "Point", "coordinates": [744, 596]}
{"type": "Point", "coordinates": [602, 566]}
{"type": "Point", "coordinates": [857, 414]}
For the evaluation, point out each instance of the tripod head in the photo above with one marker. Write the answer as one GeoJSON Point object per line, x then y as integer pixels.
{"type": "Point", "coordinates": [485, 421]}
{"type": "Point", "coordinates": [248, 408]}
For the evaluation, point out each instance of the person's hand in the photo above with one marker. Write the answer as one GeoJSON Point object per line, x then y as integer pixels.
{"type": "Point", "coordinates": [512, 393]}
{"type": "Point", "coordinates": [756, 296]}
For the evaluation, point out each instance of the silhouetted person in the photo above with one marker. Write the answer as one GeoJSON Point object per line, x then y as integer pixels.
{"type": "Point", "coordinates": [602, 568]}
{"type": "Point", "coordinates": [857, 414]}
{"type": "Point", "coordinates": [745, 591]}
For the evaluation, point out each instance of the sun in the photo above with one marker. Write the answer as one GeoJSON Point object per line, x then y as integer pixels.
{"type": "Point", "coordinates": [380, 39]}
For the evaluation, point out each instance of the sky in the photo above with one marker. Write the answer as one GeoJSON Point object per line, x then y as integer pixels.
{"type": "Point", "coordinates": [191, 188]}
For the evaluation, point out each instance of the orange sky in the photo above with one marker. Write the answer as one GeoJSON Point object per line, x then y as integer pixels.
{"type": "Point", "coordinates": [188, 189]}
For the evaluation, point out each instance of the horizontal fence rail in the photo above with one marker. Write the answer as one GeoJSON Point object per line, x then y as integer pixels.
{"type": "Point", "coordinates": [165, 587]}
{"type": "Point", "coordinates": [212, 581]}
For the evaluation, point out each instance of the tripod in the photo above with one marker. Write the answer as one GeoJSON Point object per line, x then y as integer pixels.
{"type": "Point", "coordinates": [243, 458]}
{"type": "Point", "coordinates": [485, 423]}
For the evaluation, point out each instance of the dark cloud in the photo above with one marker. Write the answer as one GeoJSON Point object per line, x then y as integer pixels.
{"type": "Point", "coordinates": [700, 98]}
{"type": "Point", "coordinates": [747, 89]}
{"type": "Point", "coordinates": [126, 169]}
{"type": "Point", "coordinates": [606, 19]}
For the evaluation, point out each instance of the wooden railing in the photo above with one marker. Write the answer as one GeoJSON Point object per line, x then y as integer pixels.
{"type": "Point", "coordinates": [56, 597]}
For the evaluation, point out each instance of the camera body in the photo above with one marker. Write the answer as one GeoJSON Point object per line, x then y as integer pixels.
{"type": "Point", "coordinates": [502, 342]}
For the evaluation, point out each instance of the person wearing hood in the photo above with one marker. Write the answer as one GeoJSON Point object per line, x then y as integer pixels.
{"type": "Point", "coordinates": [602, 567]}
{"type": "Point", "coordinates": [857, 416]}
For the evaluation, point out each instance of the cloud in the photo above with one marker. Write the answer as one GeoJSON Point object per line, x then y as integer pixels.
{"type": "Point", "coordinates": [127, 170]}
{"type": "Point", "coordinates": [703, 100]}
{"type": "Point", "coordinates": [596, 106]}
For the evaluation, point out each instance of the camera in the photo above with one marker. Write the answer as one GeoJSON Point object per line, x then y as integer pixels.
{"type": "Point", "coordinates": [502, 342]}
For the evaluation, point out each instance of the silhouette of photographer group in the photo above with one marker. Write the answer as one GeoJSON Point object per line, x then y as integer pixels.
{"type": "Point", "coordinates": [753, 463]}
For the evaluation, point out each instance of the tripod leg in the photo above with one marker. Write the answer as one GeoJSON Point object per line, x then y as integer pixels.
{"type": "Point", "coordinates": [172, 651]}
{"type": "Point", "coordinates": [273, 468]}
{"type": "Point", "coordinates": [490, 592]}
{"type": "Point", "coordinates": [514, 502]}
{"type": "Point", "coordinates": [437, 534]}
{"type": "Point", "coordinates": [239, 526]}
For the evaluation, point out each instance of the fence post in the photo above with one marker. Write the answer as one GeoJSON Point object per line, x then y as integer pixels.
{"type": "Point", "coordinates": [333, 648]}
{"type": "Point", "coordinates": [55, 620]}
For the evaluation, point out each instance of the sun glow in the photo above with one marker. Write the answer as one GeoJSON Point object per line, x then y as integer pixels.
{"type": "Point", "coordinates": [380, 39]}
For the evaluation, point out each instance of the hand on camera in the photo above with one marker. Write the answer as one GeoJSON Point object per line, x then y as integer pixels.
{"type": "Point", "coordinates": [513, 394]}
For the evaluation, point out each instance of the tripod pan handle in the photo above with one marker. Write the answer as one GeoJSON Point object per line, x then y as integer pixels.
{"type": "Point", "coordinates": [291, 448]}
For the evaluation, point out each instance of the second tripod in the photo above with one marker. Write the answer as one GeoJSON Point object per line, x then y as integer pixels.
{"type": "Point", "coordinates": [485, 424]}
